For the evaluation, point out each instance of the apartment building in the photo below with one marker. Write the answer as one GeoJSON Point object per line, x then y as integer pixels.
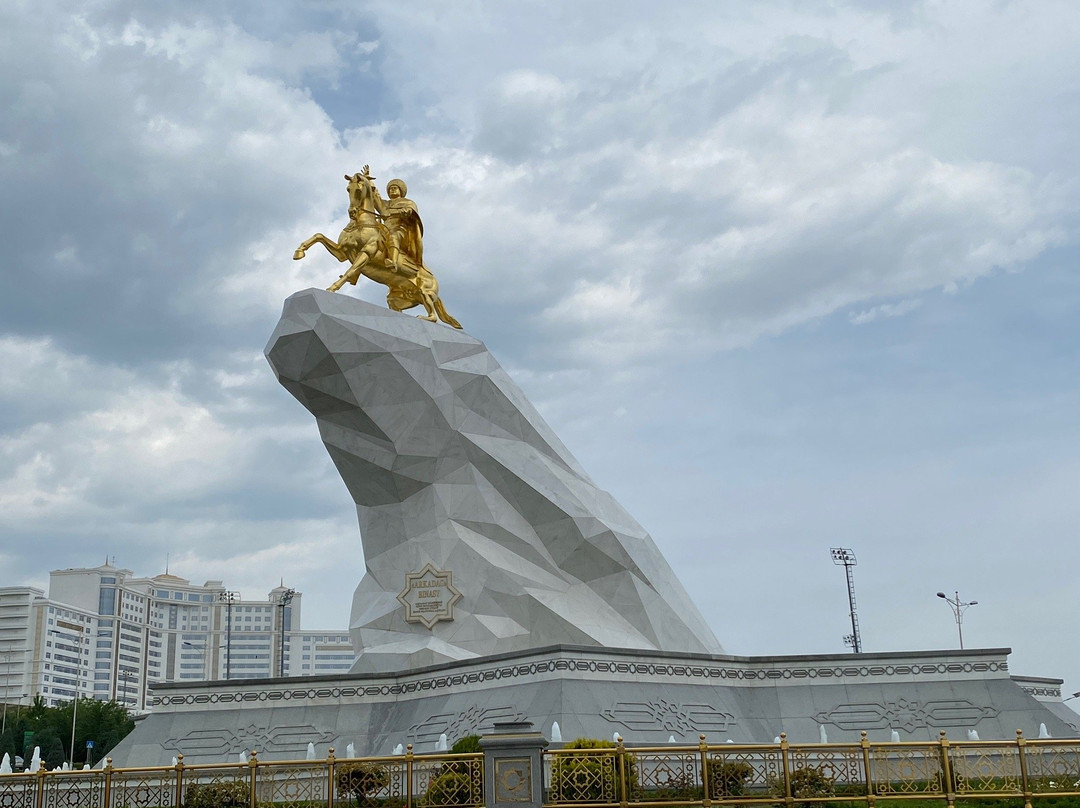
{"type": "Point", "coordinates": [103, 633]}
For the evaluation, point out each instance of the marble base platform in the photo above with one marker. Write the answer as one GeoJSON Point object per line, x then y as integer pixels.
{"type": "Point", "coordinates": [646, 697]}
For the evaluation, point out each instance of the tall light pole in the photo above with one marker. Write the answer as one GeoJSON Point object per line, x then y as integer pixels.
{"type": "Point", "coordinates": [958, 608]}
{"type": "Point", "coordinates": [125, 676]}
{"type": "Point", "coordinates": [205, 654]}
{"type": "Point", "coordinates": [846, 558]}
{"type": "Point", "coordinates": [284, 599]}
{"type": "Point", "coordinates": [227, 598]}
{"type": "Point", "coordinates": [75, 701]}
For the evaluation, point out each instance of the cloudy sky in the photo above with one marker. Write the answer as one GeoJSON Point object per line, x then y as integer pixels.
{"type": "Point", "coordinates": [784, 276]}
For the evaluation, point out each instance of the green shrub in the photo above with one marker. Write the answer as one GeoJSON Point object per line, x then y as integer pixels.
{"type": "Point", "coordinates": [227, 794]}
{"type": "Point", "coordinates": [590, 778]}
{"type": "Point", "coordinates": [680, 785]}
{"type": "Point", "coordinates": [463, 746]}
{"type": "Point", "coordinates": [808, 782]}
{"type": "Point", "coordinates": [470, 743]}
{"type": "Point", "coordinates": [361, 780]}
{"type": "Point", "coordinates": [451, 788]}
{"type": "Point", "coordinates": [728, 778]}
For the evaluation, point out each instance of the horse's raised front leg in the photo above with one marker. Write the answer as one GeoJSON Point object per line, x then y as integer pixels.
{"type": "Point", "coordinates": [331, 247]}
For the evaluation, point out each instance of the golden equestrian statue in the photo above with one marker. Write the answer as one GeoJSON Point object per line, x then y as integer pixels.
{"type": "Point", "coordinates": [384, 241]}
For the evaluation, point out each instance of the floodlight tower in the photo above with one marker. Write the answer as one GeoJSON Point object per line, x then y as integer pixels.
{"type": "Point", "coordinates": [228, 598]}
{"type": "Point", "coordinates": [284, 599]}
{"type": "Point", "coordinates": [846, 558]}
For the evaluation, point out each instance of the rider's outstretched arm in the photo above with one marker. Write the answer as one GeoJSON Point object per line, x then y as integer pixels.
{"type": "Point", "coordinates": [380, 203]}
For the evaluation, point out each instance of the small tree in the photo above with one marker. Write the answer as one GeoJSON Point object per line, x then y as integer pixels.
{"type": "Point", "coordinates": [727, 778]}
{"type": "Point", "coordinates": [590, 777]}
{"type": "Point", "coordinates": [52, 748]}
{"type": "Point", "coordinates": [362, 781]}
{"type": "Point", "coordinates": [470, 743]}
{"type": "Point", "coordinates": [809, 782]}
{"type": "Point", "coordinates": [450, 789]}
{"type": "Point", "coordinates": [228, 794]}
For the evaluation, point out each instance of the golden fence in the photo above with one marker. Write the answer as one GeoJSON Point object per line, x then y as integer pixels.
{"type": "Point", "coordinates": [400, 781]}
{"type": "Point", "coordinates": [813, 775]}
{"type": "Point", "coordinates": [829, 775]}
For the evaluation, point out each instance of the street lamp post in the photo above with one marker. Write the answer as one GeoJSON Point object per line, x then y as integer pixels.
{"type": "Point", "coordinates": [284, 599]}
{"type": "Point", "coordinates": [75, 701]}
{"type": "Point", "coordinates": [205, 655]}
{"type": "Point", "coordinates": [228, 598]}
{"type": "Point", "coordinates": [958, 608]}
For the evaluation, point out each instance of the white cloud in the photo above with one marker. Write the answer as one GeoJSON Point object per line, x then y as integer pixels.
{"type": "Point", "coordinates": [119, 439]}
{"type": "Point", "coordinates": [884, 310]}
{"type": "Point", "coordinates": [745, 183]}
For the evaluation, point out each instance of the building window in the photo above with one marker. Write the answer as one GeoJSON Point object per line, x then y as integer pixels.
{"type": "Point", "coordinates": [107, 601]}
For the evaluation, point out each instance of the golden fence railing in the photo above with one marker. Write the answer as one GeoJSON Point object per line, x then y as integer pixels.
{"type": "Point", "coordinates": [438, 780]}
{"type": "Point", "coordinates": [831, 775]}
{"type": "Point", "coordinates": [878, 775]}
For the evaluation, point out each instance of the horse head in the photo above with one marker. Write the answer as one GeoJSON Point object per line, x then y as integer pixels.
{"type": "Point", "coordinates": [361, 190]}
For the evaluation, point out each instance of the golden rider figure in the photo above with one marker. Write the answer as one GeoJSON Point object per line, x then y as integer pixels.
{"type": "Point", "coordinates": [403, 223]}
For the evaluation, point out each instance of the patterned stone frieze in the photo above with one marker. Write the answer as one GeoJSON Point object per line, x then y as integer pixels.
{"type": "Point", "coordinates": [261, 737]}
{"type": "Point", "coordinates": [907, 714]}
{"type": "Point", "coordinates": [668, 716]}
{"type": "Point", "coordinates": [473, 721]}
{"type": "Point", "coordinates": [746, 673]}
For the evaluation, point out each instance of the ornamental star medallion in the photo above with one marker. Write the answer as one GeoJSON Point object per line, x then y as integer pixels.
{"type": "Point", "coordinates": [429, 596]}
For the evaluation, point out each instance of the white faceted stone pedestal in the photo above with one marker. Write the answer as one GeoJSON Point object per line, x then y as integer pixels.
{"type": "Point", "coordinates": [646, 697]}
{"type": "Point", "coordinates": [453, 470]}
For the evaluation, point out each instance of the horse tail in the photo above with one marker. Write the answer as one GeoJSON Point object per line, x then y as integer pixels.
{"type": "Point", "coordinates": [444, 315]}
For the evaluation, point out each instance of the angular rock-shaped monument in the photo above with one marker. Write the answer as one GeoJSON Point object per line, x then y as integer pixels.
{"type": "Point", "coordinates": [480, 527]}
{"type": "Point", "coordinates": [465, 495]}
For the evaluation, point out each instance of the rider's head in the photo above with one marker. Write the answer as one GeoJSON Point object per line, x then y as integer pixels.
{"type": "Point", "coordinates": [396, 185]}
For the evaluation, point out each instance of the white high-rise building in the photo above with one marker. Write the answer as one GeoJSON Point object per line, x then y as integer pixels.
{"type": "Point", "coordinates": [107, 635]}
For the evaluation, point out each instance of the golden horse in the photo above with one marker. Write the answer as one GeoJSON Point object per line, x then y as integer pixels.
{"type": "Point", "coordinates": [363, 244]}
